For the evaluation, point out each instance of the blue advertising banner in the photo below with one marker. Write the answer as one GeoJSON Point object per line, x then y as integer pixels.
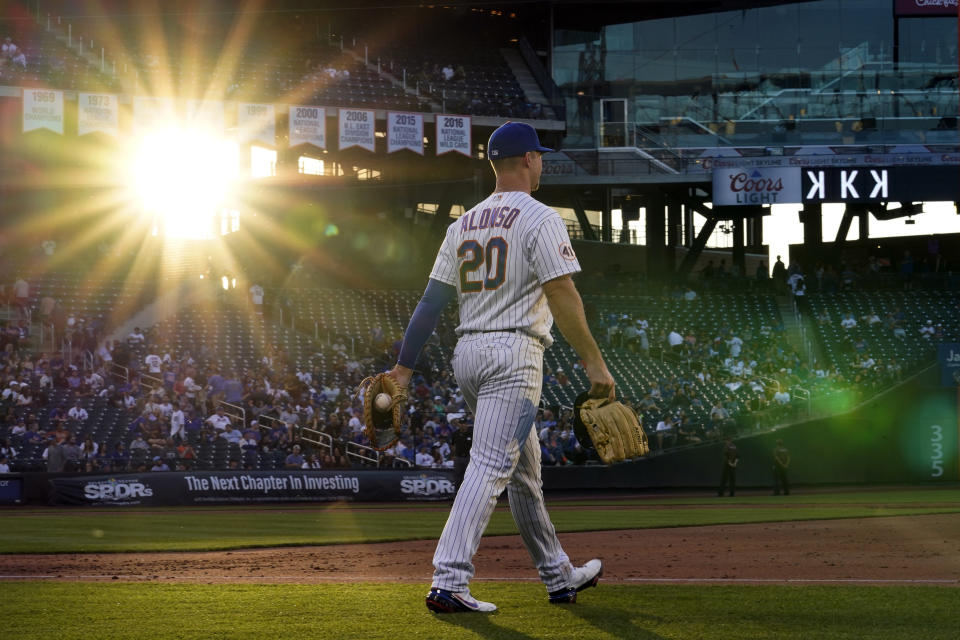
{"type": "Point", "coordinates": [233, 487]}
{"type": "Point", "coordinates": [948, 357]}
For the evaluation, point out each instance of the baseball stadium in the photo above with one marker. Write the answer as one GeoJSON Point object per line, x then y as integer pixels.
{"type": "Point", "coordinates": [480, 319]}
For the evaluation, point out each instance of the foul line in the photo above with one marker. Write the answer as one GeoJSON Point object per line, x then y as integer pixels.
{"type": "Point", "coordinates": [302, 578]}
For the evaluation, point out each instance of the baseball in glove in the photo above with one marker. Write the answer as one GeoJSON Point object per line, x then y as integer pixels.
{"type": "Point", "coordinates": [382, 426]}
{"type": "Point", "coordinates": [612, 427]}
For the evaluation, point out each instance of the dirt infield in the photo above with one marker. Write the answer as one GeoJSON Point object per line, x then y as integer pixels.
{"type": "Point", "coordinates": [889, 550]}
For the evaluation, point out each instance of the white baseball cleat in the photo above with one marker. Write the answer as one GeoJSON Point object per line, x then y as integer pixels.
{"type": "Point", "coordinates": [582, 578]}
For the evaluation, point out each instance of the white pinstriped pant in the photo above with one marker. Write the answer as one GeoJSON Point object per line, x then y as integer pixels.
{"type": "Point", "coordinates": [500, 375]}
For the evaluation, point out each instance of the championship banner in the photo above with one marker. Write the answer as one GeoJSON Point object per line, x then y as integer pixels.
{"type": "Point", "coordinates": [98, 113]}
{"type": "Point", "coordinates": [256, 122]}
{"type": "Point", "coordinates": [453, 134]}
{"type": "Point", "coordinates": [308, 125]}
{"type": "Point", "coordinates": [404, 131]}
{"type": "Point", "coordinates": [357, 128]}
{"type": "Point", "coordinates": [43, 109]}
{"type": "Point", "coordinates": [150, 114]}
{"type": "Point", "coordinates": [766, 185]}
{"type": "Point", "coordinates": [207, 115]}
{"type": "Point", "coordinates": [232, 487]}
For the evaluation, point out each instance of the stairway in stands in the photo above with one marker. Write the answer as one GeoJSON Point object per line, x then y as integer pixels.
{"type": "Point", "coordinates": [531, 88]}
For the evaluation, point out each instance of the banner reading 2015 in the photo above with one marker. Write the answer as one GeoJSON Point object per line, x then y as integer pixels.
{"type": "Point", "coordinates": [404, 131]}
{"type": "Point", "coordinates": [357, 127]}
{"type": "Point", "coordinates": [43, 109]}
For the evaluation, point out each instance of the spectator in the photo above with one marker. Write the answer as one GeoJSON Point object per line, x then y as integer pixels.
{"type": "Point", "coordinates": [311, 462]}
{"type": "Point", "coordinates": [55, 456]}
{"type": "Point", "coordinates": [159, 464]}
{"type": "Point", "coordinates": [78, 413]}
{"type": "Point", "coordinates": [666, 431]}
{"type": "Point", "coordinates": [294, 460]}
{"type": "Point", "coordinates": [89, 448]}
{"type": "Point", "coordinates": [230, 434]}
{"type": "Point", "coordinates": [423, 457]}
{"type": "Point", "coordinates": [119, 457]}
{"type": "Point", "coordinates": [219, 420]}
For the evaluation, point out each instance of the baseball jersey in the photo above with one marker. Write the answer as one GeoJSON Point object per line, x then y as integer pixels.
{"type": "Point", "coordinates": [498, 255]}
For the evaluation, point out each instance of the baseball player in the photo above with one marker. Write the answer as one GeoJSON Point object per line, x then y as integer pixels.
{"type": "Point", "coordinates": [508, 261]}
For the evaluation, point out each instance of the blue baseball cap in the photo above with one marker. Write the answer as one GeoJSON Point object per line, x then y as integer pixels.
{"type": "Point", "coordinates": [514, 139]}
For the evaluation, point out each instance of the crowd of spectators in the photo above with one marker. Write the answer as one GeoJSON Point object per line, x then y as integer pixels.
{"type": "Point", "coordinates": [188, 411]}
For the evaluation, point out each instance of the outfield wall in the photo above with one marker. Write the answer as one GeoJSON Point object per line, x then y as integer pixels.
{"type": "Point", "coordinates": [907, 435]}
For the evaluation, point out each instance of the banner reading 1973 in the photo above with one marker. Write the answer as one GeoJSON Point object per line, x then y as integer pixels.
{"type": "Point", "coordinates": [98, 113]}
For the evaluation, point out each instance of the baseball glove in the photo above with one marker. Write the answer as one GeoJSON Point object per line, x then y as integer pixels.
{"type": "Point", "coordinates": [382, 426]}
{"type": "Point", "coordinates": [612, 427]}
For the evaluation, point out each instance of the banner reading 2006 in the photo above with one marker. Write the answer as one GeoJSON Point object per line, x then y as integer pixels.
{"type": "Point", "coordinates": [357, 127]}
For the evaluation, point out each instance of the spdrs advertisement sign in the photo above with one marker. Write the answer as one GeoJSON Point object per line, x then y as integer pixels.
{"type": "Point", "coordinates": [231, 487]}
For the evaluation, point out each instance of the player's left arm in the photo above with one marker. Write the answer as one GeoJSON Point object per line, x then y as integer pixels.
{"type": "Point", "coordinates": [422, 323]}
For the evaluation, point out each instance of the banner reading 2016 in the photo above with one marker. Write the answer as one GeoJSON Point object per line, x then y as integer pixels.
{"type": "Point", "coordinates": [357, 129]}
{"type": "Point", "coordinates": [453, 134]}
{"type": "Point", "coordinates": [43, 109]}
{"type": "Point", "coordinates": [97, 112]}
{"type": "Point", "coordinates": [405, 131]}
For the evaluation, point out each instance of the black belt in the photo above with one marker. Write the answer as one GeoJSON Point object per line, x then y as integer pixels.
{"type": "Point", "coordinates": [542, 341]}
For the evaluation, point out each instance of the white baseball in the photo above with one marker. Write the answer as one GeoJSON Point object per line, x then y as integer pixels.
{"type": "Point", "coordinates": [383, 401]}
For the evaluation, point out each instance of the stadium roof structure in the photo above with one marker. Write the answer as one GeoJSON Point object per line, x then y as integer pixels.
{"type": "Point", "coordinates": [566, 14]}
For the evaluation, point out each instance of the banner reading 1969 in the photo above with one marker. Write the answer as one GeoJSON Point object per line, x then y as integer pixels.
{"type": "Point", "coordinates": [42, 109]}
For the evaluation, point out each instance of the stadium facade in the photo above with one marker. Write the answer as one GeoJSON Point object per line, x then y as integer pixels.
{"type": "Point", "coordinates": [696, 119]}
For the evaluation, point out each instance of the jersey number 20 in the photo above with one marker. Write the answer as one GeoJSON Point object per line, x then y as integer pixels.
{"type": "Point", "coordinates": [474, 255]}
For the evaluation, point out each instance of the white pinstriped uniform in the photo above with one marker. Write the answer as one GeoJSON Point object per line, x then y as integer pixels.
{"type": "Point", "coordinates": [498, 255]}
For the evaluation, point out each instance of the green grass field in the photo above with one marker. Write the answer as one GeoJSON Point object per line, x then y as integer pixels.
{"type": "Point", "coordinates": [149, 610]}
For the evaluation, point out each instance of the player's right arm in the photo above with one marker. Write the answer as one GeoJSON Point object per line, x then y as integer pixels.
{"type": "Point", "coordinates": [567, 309]}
